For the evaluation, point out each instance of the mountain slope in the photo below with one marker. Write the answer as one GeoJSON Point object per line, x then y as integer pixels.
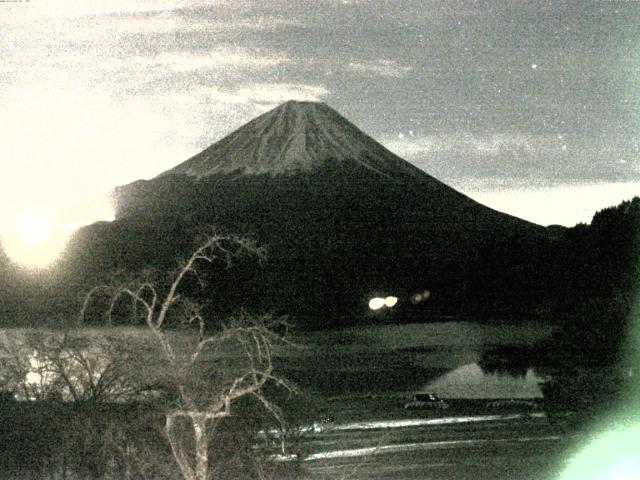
{"type": "Point", "coordinates": [297, 136]}
{"type": "Point", "coordinates": [343, 219]}
{"type": "Point", "coordinates": [310, 140]}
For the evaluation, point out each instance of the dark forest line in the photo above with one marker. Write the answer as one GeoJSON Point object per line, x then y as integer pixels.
{"type": "Point", "coordinates": [583, 278]}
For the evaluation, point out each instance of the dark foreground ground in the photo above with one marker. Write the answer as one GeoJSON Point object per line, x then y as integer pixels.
{"type": "Point", "coordinates": [362, 378]}
{"type": "Point", "coordinates": [368, 375]}
{"type": "Point", "coordinates": [373, 438]}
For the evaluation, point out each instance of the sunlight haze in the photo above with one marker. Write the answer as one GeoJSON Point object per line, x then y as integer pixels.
{"type": "Point", "coordinates": [97, 95]}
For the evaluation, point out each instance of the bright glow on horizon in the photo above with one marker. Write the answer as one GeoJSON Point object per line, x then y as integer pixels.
{"type": "Point", "coordinates": [33, 229]}
{"type": "Point", "coordinates": [33, 242]}
{"type": "Point", "coordinates": [562, 205]}
{"type": "Point", "coordinates": [65, 146]}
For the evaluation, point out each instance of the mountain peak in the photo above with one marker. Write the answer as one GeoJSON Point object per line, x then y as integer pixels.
{"type": "Point", "coordinates": [297, 136]}
{"type": "Point", "coordinates": [302, 104]}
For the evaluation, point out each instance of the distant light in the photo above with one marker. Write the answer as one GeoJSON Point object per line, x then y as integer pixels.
{"type": "Point", "coordinates": [376, 303]}
{"type": "Point", "coordinates": [33, 378]}
{"type": "Point", "coordinates": [390, 301]}
{"type": "Point", "coordinates": [420, 297]}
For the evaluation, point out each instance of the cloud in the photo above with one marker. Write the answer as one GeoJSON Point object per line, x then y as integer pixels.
{"type": "Point", "coordinates": [221, 57]}
{"type": "Point", "coordinates": [79, 8]}
{"type": "Point", "coordinates": [159, 23]}
{"type": "Point", "coordinates": [542, 159]}
{"type": "Point", "coordinates": [174, 22]}
{"type": "Point", "coordinates": [267, 93]}
{"type": "Point", "coordinates": [353, 2]}
{"type": "Point", "coordinates": [216, 99]}
{"type": "Point", "coordinates": [485, 145]}
{"type": "Point", "coordinates": [227, 60]}
{"type": "Point", "coordinates": [384, 68]}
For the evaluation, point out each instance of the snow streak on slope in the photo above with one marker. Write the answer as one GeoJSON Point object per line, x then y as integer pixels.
{"type": "Point", "coordinates": [295, 137]}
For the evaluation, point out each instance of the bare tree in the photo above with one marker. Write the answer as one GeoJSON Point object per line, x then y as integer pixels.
{"type": "Point", "coordinates": [207, 371]}
{"type": "Point", "coordinates": [71, 365]}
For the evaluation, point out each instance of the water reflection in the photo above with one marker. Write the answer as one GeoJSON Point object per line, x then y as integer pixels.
{"type": "Point", "coordinates": [471, 381]}
{"type": "Point", "coordinates": [407, 358]}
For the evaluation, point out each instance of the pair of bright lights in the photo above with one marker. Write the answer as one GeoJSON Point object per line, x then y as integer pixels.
{"type": "Point", "coordinates": [378, 302]}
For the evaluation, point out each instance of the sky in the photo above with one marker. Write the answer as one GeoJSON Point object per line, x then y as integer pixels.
{"type": "Point", "coordinates": [529, 107]}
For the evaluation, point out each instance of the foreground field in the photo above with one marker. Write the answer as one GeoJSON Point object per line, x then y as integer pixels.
{"type": "Point", "coordinates": [379, 439]}
{"type": "Point", "coordinates": [364, 377]}
{"type": "Point", "coordinates": [360, 379]}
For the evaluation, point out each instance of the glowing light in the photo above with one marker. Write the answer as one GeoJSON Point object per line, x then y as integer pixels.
{"type": "Point", "coordinates": [65, 176]}
{"type": "Point", "coordinates": [613, 456]}
{"type": "Point", "coordinates": [390, 301]}
{"type": "Point", "coordinates": [33, 242]}
{"type": "Point", "coordinates": [33, 378]}
{"type": "Point", "coordinates": [420, 297]}
{"type": "Point", "coordinates": [376, 303]}
{"type": "Point", "coordinates": [33, 229]}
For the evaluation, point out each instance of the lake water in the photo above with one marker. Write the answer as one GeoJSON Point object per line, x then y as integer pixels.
{"type": "Point", "coordinates": [443, 358]}
{"type": "Point", "coordinates": [399, 360]}
{"type": "Point", "coordinates": [470, 381]}
{"type": "Point", "coordinates": [368, 374]}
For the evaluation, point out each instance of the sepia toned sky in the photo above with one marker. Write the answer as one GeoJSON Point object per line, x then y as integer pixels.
{"type": "Point", "coordinates": [532, 108]}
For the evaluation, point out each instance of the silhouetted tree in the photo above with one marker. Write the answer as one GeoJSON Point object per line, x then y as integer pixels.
{"type": "Point", "coordinates": [207, 371]}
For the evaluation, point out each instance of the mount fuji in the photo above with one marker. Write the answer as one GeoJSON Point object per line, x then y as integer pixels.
{"type": "Point", "coordinates": [343, 219]}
